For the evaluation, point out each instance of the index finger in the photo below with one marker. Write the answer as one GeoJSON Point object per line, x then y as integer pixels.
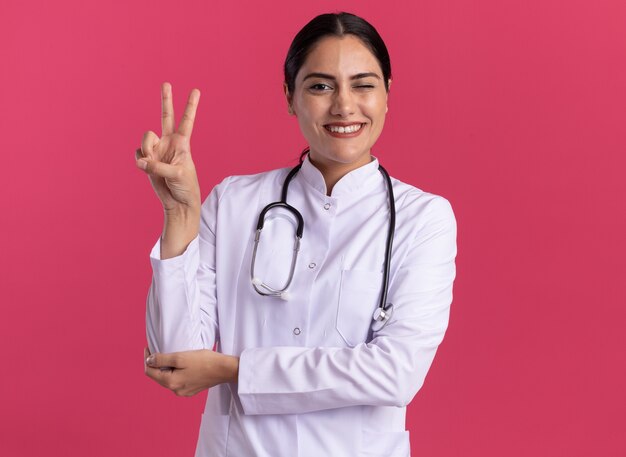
{"type": "Point", "coordinates": [186, 123]}
{"type": "Point", "coordinates": [167, 110]}
{"type": "Point", "coordinates": [163, 377]}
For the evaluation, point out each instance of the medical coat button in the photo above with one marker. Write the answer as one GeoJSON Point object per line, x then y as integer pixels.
{"type": "Point", "coordinates": [312, 265]}
{"type": "Point", "coordinates": [296, 331]}
{"type": "Point", "coordinates": [327, 206]}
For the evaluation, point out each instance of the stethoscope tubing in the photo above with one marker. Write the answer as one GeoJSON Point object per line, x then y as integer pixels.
{"type": "Point", "coordinates": [259, 285]}
{"type": "Point", "coordinates": [391, 230]}
{"type": "Point", "coordinates": [384, 311]}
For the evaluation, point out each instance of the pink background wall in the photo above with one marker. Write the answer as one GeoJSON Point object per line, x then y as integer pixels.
{"type": "Point", "coordinates": [513, 110]}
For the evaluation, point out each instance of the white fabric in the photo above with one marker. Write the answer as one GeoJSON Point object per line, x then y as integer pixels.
{"type": "Point", "coordinates": [333, 387]}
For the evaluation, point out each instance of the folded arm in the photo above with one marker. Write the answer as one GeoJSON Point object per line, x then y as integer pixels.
{"type": "Point", "coordinates": [388, 370]}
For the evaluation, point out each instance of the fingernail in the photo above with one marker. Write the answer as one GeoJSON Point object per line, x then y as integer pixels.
{"type": "Point", "coordinates": [142, 164]}
{"type": "Point", "coordinates": [150, 360]}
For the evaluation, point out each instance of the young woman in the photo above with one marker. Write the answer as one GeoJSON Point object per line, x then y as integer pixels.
{"type": "Point", "coordinates": [326, 321]}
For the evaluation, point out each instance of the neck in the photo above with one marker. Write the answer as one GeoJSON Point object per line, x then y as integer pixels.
{"type": "Point", "coordinates": [334, 171]}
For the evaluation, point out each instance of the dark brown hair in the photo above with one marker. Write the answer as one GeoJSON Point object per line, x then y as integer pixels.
{"type": "Point", "coordinates": [339, 25]}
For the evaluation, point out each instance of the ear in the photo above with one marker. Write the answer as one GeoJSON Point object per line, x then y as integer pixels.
{"type": "Point", "coordinates": [288, 98]}
{"type": "Point", "coordinates": [388, 89]}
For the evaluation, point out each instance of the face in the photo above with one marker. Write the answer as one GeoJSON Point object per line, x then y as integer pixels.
{"type": "Point", "coordinates": [340, 101]}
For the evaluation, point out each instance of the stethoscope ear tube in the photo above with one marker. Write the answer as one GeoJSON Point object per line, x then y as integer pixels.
{"type": "Point", "coordinates": [257, 282]}
{"type": "Point", "coordinates": [288, 207]}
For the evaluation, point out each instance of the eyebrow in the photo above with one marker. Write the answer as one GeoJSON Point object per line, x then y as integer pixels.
{"type": "Point", "coordinates": [327, 76]}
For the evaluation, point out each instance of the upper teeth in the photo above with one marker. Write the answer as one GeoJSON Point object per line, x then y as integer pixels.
{"type": "Point", "coordinates": [348, 129]}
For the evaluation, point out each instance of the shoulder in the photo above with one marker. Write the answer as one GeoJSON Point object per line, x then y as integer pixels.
{"type": "Point", "coordinates": [244, 187]}
{"type": "Point", "coordinates": [238, 196]}
{"type": "Point", "coordinates": [419, 205]}
{"type": "Point", "coordinates": [425, 224]}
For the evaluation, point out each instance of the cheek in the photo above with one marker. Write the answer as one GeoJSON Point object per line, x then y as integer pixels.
{"type": "Point", "coordinates": [376, 109]}
{"type": "Point", "coordinates": [307, 127]}
{"type": "Point", "coordinates": [309, 116]}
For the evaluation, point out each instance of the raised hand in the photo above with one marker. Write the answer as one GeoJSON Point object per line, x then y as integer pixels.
{"type": "Point", "coordinates": [167, 160]}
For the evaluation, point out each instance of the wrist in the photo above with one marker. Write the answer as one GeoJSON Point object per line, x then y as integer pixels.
{"type": "Point", "coordinates": [232, 369]}
{"type": "Point", "coordinates": [181, 225]}
{"type": "Point", "coordinates": [182, 215]}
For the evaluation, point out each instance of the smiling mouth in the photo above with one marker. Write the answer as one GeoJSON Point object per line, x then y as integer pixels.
{"type": "Point", "coordinates": [352, 128]}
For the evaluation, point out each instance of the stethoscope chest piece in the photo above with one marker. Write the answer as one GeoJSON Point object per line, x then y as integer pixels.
{"type": "Point", "coordinates": [381, 317]}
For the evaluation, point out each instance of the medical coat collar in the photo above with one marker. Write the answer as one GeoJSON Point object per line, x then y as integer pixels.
{"type": "Point", "coordinates": [357, 180]}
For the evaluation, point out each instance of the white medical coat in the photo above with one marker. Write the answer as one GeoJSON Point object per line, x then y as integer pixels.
{"type": "Point", "coordinates": [314, 380]}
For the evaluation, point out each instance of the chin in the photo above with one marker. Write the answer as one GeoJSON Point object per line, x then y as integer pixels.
{"type": "Point", "coordinates": [343, 156]}
{"type": "Point", "coordinates": [357, 157]}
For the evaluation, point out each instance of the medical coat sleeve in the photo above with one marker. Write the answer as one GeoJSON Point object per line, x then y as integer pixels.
{"type": "Point", "coordinates": [386, 371]}
{"type": "Point", "coordinates": [181, 309]}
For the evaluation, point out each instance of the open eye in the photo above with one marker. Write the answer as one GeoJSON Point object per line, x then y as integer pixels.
{"type": "Point", "coordinates": [320, 87]}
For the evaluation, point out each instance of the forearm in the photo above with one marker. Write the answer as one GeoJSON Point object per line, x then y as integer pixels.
{"type": "Point", "coordinates": [388, 370]}
{"type": "Point", "coordinates": [292, 380]}
{"type": "Point", "coordinates": [182, 301]}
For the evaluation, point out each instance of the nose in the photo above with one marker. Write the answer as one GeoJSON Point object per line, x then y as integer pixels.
{"type": "Point", "coordinates": [343, 103]}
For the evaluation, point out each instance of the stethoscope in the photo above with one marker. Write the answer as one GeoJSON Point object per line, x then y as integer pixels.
{"type": "Point", "coordinates": [383, 313]}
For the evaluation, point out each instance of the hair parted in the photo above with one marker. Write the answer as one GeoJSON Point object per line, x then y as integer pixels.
{"type": "Point", "coordinates": [339, 25]}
